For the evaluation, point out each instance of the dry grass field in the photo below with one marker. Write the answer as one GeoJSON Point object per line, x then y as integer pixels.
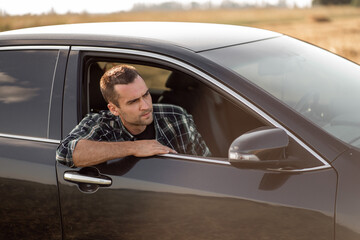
{"type": "Point", "coordinates": [334, 28]}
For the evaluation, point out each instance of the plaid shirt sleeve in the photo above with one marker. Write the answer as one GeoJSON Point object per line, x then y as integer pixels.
{"type": "Point", "coordinates": [195, 144]}
{"type": "Point", "coordinates": [179, 130]}
{"type": "Point", "coordinates": [88, 128]}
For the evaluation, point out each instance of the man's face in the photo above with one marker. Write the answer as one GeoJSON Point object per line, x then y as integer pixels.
{"type": "Point", "coordinates": [135, 105]}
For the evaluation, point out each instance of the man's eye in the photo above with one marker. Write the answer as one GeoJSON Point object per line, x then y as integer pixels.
{"type": "Point", "coordinates": [132, 102]}
{"type": "Point", "coordinates": [146, 94]}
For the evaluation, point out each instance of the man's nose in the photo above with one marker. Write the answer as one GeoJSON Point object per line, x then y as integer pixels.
{"type": "Point", "coordinates": [144, 105]}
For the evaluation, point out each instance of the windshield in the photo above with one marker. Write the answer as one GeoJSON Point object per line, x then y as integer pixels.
{"type": "Point", "coordinates": [321, 86]}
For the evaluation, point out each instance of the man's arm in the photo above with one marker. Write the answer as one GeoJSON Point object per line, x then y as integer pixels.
{"type": "Point", "coordinates": [88, 152]}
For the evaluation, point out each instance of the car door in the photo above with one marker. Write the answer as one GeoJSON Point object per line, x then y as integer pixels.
{"type": "Point", "coordinates": [31, 81]}
{"type": "Point", "coordinates": [177, 196]}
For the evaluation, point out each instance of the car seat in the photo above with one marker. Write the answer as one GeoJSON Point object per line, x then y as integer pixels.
{"type": "Point", "coordinates": [96, 100]}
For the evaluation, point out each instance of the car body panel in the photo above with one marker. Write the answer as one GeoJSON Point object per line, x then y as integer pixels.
{"type": "Point", "coordinates": [348, 194]}
{"type": "Point", "coordinates": [166, 198]}
{"type": "Point", "coordinates": [28, 190]}
{"type": "Point", "coordinates": [55, 112]}
{"type": "Point", "coordinates": [178, 34]}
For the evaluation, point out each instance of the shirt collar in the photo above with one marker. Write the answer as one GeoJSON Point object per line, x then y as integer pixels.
{"type": "Point", "coordinates": [122, 128]}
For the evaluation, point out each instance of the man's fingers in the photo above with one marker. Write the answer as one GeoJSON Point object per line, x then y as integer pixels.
{"type": "Point", "coordinates": [151, 147]}
{"type": "Point", "coordinates": [164, 149]}
{"type": "Point", "coordinates": [172, 150]}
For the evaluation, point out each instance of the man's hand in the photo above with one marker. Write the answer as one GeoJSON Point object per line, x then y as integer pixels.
{"type": "Point", "coordinates": [89, 153]}
{"type": "Point", "coordinates": [146, 148]}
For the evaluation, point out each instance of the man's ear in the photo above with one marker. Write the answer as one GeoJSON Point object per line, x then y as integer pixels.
{"type": "Point", "coordinates": [113, 109]}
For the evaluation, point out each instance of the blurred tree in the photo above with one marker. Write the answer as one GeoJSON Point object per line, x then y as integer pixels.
{"type": "Point", "coordinates": [355, 3]}
{"type": "Point", "coordinates": [332, 2]}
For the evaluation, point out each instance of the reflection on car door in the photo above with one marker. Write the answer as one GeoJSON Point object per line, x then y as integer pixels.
{"type": "Point", "coordinates": [170, 198]}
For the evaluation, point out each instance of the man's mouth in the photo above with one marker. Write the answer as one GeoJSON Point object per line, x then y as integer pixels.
{"type": "Point", "coordinates": [146, 114]}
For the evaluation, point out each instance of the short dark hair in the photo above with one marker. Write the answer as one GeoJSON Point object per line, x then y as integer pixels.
{"type": "Point", "coordinates": [120, 74]}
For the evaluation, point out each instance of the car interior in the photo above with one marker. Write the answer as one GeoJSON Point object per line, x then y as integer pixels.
{"type": "Point", "coordinates": [218, 120]}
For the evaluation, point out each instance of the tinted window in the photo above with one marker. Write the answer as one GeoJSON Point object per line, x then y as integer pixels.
{"type": "Point", "coordinates": [25, 89]}
{"type": "Point", "coordinates": [321, 86]}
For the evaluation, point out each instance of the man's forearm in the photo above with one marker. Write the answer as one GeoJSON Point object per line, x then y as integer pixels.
{"type": "Point", "coordinates": [88, 152]}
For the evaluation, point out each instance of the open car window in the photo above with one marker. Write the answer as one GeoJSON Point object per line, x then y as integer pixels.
{"type": "Point", "coordinates": [217, 119]}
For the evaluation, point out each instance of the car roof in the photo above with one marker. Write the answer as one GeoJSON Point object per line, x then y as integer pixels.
{"type": "Point", "coordinates": [193, 36]}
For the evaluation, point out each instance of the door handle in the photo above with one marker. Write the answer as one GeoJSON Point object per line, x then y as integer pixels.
{"type": "Point", "coordinates": [79, 178]}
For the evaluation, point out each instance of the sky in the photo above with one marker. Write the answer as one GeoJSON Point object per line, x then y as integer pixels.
{"type": "Point", "coordinates": [20, 7]}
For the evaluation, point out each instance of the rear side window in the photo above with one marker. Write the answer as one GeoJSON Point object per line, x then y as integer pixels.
{"type": "Point", "coordinates": [26, 79]}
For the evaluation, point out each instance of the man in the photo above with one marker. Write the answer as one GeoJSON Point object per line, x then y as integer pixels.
{"type": "Point", "coordinates": [132, 126]}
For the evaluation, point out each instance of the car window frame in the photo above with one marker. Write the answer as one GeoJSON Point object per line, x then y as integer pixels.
{"type": "Point", "coordinates": [173, 63]}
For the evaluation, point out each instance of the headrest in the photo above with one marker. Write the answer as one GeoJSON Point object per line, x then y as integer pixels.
{"type": "Point", "coordinates": [180, 81]}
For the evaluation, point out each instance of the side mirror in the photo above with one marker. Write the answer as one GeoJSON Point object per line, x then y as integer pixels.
{"type": "Point", "coordinates": [262, 148]}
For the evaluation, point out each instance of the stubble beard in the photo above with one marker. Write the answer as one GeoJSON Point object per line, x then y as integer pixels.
{"type": "Point", "coordinates": [141, 122]}
{"type": "Point", "coordinates": [148, 120]}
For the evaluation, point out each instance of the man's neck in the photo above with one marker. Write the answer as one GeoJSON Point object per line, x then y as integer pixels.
{"type": "Point", "coordinates": [135, 130]}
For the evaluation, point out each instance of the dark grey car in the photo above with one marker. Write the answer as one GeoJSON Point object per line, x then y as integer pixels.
{"type": "Point", "coordinates": [280, 116]}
